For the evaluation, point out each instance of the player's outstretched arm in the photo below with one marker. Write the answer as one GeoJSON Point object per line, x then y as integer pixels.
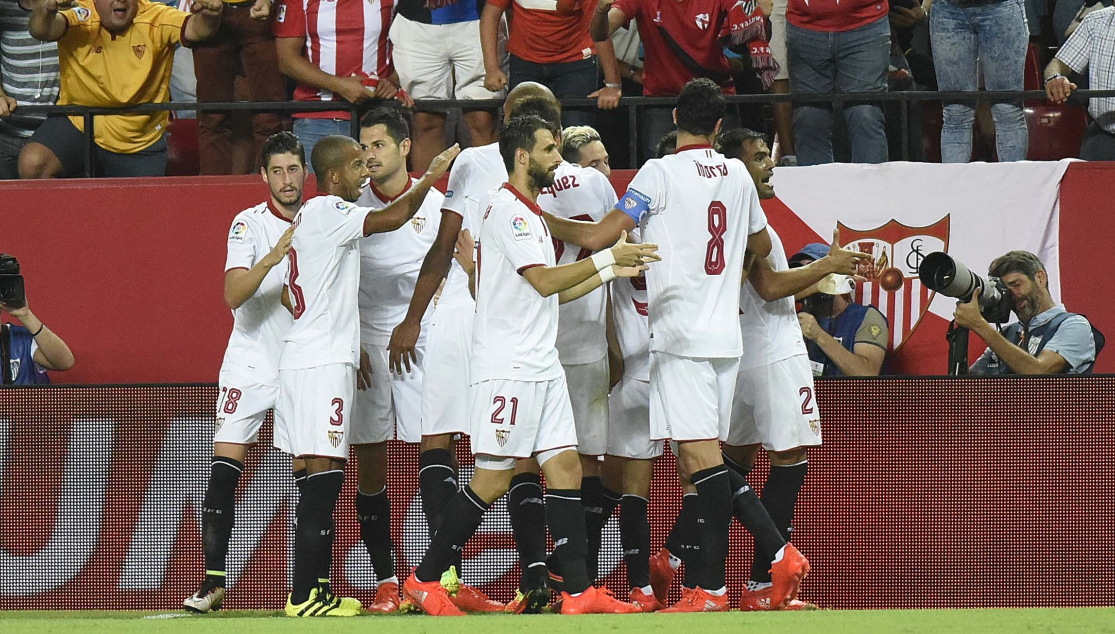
{"type": "Point", "coordinates": [772, 285]}
{"type": "Point", "coordinates": [435, 265]}
{"type": "Point", "coordinates": [548, 280]}
{"type": "Point", "coordinates": [594, 236]}
{"type": "Point", "coordinates": [404, 207]}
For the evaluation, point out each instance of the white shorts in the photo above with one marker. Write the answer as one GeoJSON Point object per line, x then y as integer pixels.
{"type": "Point", "coordinates": [315, 405]}
{"type": "Point", "coordinates": [690, 398]}
{"type": "Point", "coordinates": [629, 421]}
{"type": "Point", "coordinates": [241, 408]}
{"type": "Point", "coordinates": [778, 39]}
{"type": "Point", "coordinates": [445, 375]}
{"type": "Point", "coordinates": [517, 419]}
{"type": "Point", "coordinates": [775, 406]}
{"type": "Point", "coordinates": [391, 409]}
{"type": "Point", "coordinates": [443, 61]}
{"type": "Point", "coordinates": [588, 392]}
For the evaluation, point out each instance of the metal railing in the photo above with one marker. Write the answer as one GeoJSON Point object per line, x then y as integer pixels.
{"type": "Point", "coordinates": [631, 104]}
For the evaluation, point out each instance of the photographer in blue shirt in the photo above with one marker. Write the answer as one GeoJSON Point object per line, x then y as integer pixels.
{"type": "Point", "coordinates": [1046, 339]}
{"type": "Point", "coordinates": [28, 351]}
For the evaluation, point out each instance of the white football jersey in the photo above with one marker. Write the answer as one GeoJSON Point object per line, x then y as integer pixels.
{"type": "Point", "coordinates": [389, 265]}
{"type": "Point", "coordinates": [515, 331]}
{"type": "Point", "coordinates": [476, 175]}
{"type": "Point", "coordinates": [324, 282]}
{"type": "Point", "coordinates": [629, 312]}
{"type": "Point", "coordinates": [259, 324]}
{"type": "Point", "coordinates": [581, 194]}
{"type": "Point", "coordinates": [699, 207]}
{"type": "Point", "coordinates": [770, 329]}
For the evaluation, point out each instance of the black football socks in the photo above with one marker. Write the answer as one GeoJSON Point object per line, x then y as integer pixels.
{"type": "Point", "coordinates": [217, 512]}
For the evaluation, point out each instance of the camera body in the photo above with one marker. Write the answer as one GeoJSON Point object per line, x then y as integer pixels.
{"type": "Point", "coordinates": [11, 282]}
{"type": "Point", "coordinates": [947, 276]}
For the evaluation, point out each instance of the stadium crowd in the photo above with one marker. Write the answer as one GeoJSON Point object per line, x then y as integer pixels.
{"type": "Point", "coordinates": [108, 53]}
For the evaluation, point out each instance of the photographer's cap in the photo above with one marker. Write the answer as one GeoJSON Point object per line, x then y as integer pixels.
{"type": "Point", "coordinates": [812, 251]}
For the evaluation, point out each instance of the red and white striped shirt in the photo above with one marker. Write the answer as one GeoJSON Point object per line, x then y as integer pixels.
{"type": "Point", "coordinates": [343, 38]}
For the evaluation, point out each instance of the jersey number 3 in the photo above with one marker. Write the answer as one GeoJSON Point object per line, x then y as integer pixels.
{"type": "Point", "coordinates": [717, 227]}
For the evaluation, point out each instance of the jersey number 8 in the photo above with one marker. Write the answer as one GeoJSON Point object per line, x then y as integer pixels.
{"type": "Point", "coordinates": [717, 227]}
{"type": "Point", "coordinates": [297, 299]}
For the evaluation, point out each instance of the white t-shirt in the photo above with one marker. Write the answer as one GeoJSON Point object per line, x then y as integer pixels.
{"type": "Point", "coordinates": [699, 207]}
{"type": "Point", "coordinates": [324, 282]}
{"type": "Point", "coordinates": [475, 176]}
{"type": "Point", "coordinates": [581, 194]}
{"type": "Point", "coordinates": [515, 331]}
{"type": "Point", "coordinates": [259, 324]}
{"type": "Point", "coordinates": [770, 329]}
{"type": "Point", "coordinates": [389, 265]}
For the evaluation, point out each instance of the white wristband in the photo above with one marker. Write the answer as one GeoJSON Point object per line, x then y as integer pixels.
{"type": "Point", "coordinates": [607, 275]}
{"type": "Point", "coordinates": [603, 259]}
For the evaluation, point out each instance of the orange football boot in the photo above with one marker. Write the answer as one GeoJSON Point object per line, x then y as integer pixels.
{"type": "Point", "coordinates": [646, 602]}
{"type": "Point", "coordinates": [786, 574]}
{"type": "Point", "coordinates": [430, 597]}
{"type": "Point", "coordinates": [698, 600]}
{"type": "Point", "coordinates": [596, 601]}
{"type": "Point", "coordinates": [387, 599]}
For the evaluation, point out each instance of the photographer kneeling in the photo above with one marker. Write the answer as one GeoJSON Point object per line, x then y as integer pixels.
{"type": "Point", "coordinates": [26, 351]}
{"type": "Point", "coordinates": [1046, 339]}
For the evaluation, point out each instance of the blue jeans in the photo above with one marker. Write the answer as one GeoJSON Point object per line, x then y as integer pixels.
{"type": "Point", "coordinates": [995, 37]}
{"type": "Point", "coordinates": [850, 61]}
{"type": "Point", "coordinates": [310, 131]}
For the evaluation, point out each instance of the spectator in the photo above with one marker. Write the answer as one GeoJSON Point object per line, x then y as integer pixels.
{"type": "Point", "coordinates": [843, 338]}
{"type": "Point", "coordinates": [112, 53]}
{"type": "Point", "coordinates": [436, 48]}
{"type": "Point", "coordinates": [838, 46]}
{"type": "Point", "coordinates": [683, 41]}
{"type": "Point", "coordinates": [783, 112]}
{"type": "Point", "coordinates": [28, 77]}
{"type": "Point", "coordinates": [1046, 339]}
{"type": "Point", "coordinates": [243, 45]}
{"type": "Point", "coordinates": [342, 54]}
{"type": "Point", "coordinates": [552, 46]}
{"type": "Point", "coordinates": [1089, 47]}
{"type": "Point", "coordinates": [582, 145]}
{"type": "Point", "coordinates": [994, 34]}
{"type": "Point", "coordinates": [28, 351]}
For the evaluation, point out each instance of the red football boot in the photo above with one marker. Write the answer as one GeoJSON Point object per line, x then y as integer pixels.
{"type": "Point", "coordinates": [595, 601]}
{"type": "Point", "coordinates": [430, 597]}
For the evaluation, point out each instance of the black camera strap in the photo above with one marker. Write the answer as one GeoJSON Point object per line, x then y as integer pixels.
{"type": "Point", "coordinates": [6, 354]}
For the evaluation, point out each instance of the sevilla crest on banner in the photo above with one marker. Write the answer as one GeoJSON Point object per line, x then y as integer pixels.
{"type": "Point", "coordinates": [892, 285]}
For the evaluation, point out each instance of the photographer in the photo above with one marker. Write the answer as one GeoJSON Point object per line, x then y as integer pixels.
{"type": "Point", "coordinates": [1046, 339]}
{"type": "Point", "coordinates": [29, 350]}
{"type": "Point", "coordinates": [843, 338]}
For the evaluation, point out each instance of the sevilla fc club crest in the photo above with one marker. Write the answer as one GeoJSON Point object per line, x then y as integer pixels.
{"type": "Point", "coordinates": [139, 50]}
{"type": "Point", "coordinates": [419, 223]}
{"type": "Point", "coordinates": [335, 438]}
{"type": "Point", "coordinates": [892, 285]}
{"type": "Point", "coordinates": [501, 436]}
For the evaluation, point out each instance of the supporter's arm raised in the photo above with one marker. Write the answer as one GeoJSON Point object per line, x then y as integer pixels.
{"type": "Point", "coordinates": [205, 21]}
{"type": "Point", "coordinates": [46, 24]}
{"type": "Point", "coordinates": [404, 207]}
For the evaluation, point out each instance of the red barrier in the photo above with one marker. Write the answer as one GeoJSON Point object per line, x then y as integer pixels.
{"type": "Point", "coordinates": [928, 493]}
{"type": "Point", "coordinates": [129, 272]}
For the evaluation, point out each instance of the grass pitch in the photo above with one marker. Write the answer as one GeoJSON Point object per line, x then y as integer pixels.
{"type": "Point", "coordinates": [1025, 621]}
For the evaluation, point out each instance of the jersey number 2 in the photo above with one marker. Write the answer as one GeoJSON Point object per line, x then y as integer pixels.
{"type": "Point", "coordinates": [297, 299]}
{"type": "Point", "coordinates": [717, 227]}
{"type": "Point", "coordinates": [806, 401]}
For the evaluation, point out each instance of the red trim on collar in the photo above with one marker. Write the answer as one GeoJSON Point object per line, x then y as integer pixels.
{"type": "Point", "coordinates": [384, 197]}
{"type": "Point", "coordinates": [531, 205]}
{"type": "Point", "coordinates": [695, 146]}
{"type": "Point", "coordinates": [278, 214]}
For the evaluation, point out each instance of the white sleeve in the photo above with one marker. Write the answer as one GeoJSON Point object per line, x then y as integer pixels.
{"type": "Point", "coordinates": [342, 222]}
{"type": "Point", "coordinates": [513, 237]}
{"type": "Point", "coordinates": [456, 192]}
{"type": "Point", "coordinates": [646, 194]}
{"type": "Point", "coordinates": [757, 220]}
{"type": "Point", "coordinates": [242, 239]}
{"type": "Point", "coordinates": [607, 195]}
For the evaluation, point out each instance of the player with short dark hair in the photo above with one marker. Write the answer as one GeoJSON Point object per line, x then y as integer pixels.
{"type": "Point", "coordinates": [518, 399]}
{"type": "Point", "coordinates": [255, 268]}
{"type": "Point", "coordinates": [321, 351]}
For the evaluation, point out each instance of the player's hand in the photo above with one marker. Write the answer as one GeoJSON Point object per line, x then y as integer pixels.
{"type": "Point", "coordinates": [495, 80]}
{"type": "Point", "coordinates": [400, 349]}
{"type": "Point", "coordinates": [968, 315]}
{"type": "Point", "coordinates": [810, 329]}
{"type": "Point", "coordinates": [7, 105]}
{"type": "Point", "coordinates": [1058, 90]}
{"type": "Point", "coordinates": [463, 251]}
{"type": "Point", "coordinates": [207, 7]}
{"type": "Point", "coordinates": [441, 163]}
{"type": "Point", "coordinates": [607, 98]}
{"type": "Point", "coordinates": [843, 261]}
{"type": "Point", "coordinates": [261, 10]}
{"type": "Point", "coordinates": [629, 271]}
{"type": "Point", "coordinates": [364, 372]}
{"type": "Point", "coordinates": [352, 89]}
{"type": "Point", "coordinates": [281, 249]}
{"type": "Point", "coordinates": [633, 255]}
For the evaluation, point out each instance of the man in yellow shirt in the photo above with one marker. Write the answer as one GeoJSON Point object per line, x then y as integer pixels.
{"type": "Point", "coordinates": [112, 53]}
